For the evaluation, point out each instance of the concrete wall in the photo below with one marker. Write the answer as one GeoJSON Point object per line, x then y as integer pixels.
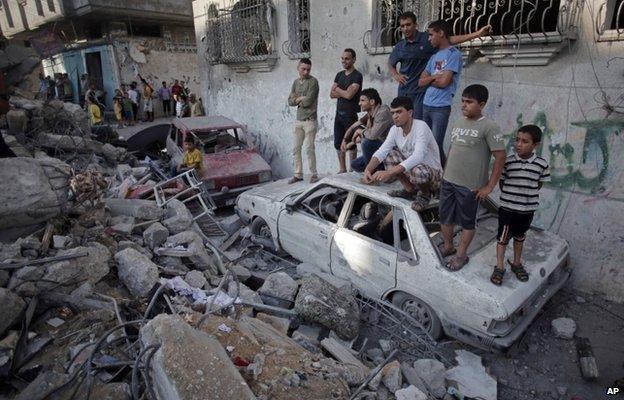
{"type": "Point", "coordinates": [570, 99]}
{"type": "Point", "coordinates": [33, 17]}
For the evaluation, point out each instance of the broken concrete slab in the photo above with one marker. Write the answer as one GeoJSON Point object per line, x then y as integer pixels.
{"type": "Point", "coordinates": [279, 289]}
{"type": "Point", "coordinates": [11, 310]}
{"type": "Point", "coordinates": [391, 376]}
{"type": "Point", "coordinates": [432, 372]}
{"type": "Point", "coordinates": [563, 328]}
{"type": "Point", "coordinates": [195, 249]}
{"type": "Point", "coordinates": [231, 224]}
{"type": "Point", "coordinates": [155, 235]}
{"type": "Point", "coordinates": [280, 324]}
{"type": "Point", "coordinates": [196, 279]}
{"type": "Point", "coordinates": [244, 293]}
{"type": "Point", "coordinates": [136, 271]}
{"type": "Point", "coordinates": [127, 244]}
{"type": "Point", "coordinates": [470, 377]}
{"type": "Point", "coordinates": [122, 224]}
{"type": "Point", "coordinates": [60, 242]}
{"type": "Point", "coordinates": [42, 385]}
{"type": "Point", "coordinates": [177, 217]}
{"type": "Point", "coordinates": [189, 364]}
{"type": "Point", "coordinates": [410, 393]}
{"type": "Point", "coordinates": [241, 272]}
{"type": "Point", "coordinates": [33, 190]}
{"type": "Point", "coordinates": [142, 209]}
{"type": "Point", "coordinates": [324, 304]}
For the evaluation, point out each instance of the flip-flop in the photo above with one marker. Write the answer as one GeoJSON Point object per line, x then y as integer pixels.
{"type": "Point", "coordinates": [454, 265]}
{"type": "Point", "coordinates": [447, 253]}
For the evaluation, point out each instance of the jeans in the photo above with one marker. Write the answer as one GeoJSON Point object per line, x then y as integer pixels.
{"type": "Point", "coordinates": [417, 98]}
{"type": "Point", "coordinates": [437, 119]}
{"type": "Point", "coordinates": [166, 107]}
{"type": "Point", "coordinates": [369, 147]}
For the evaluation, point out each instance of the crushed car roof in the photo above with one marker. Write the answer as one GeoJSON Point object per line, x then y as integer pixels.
{"type": "Point", "coordinates": [206, 123]}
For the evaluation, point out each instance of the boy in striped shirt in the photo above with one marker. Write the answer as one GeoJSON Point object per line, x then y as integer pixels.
{"type": "Point", "coordinates": [522, 178]}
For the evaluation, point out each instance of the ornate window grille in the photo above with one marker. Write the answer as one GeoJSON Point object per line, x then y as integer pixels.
{"type": "Point", "coordinates": [242, 35]}
{"type": "Point", "coordinates": [524, 32]}
{"type": "Point", "coordinates": [610, 20]}
{"type": "Point", "coordinates": [385, 32]}
{"type": "Point", "coordinates": [298, 43]}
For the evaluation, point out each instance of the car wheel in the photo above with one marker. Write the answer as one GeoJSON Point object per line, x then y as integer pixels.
{"type": "Point", "coordinates": [421, 312]}
{"type": "Point", "coordinates": [260, 228]}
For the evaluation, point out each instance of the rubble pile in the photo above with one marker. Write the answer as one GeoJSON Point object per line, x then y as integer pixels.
{"type": "Point", "coordinates": [109, 297]}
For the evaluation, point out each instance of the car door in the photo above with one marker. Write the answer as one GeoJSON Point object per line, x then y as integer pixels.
{"type": "Point", "coordinates": [366, 259]}
{"type": "Point", "coordinates": [174, 145]}
{"type": "Point", "coordinates": [305, 234]}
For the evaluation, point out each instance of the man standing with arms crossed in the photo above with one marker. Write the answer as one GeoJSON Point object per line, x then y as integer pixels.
{"type": "Point", "coordinates": [346, 89]}
{"type": "Point", "coordinates": [304, 96]}
{"type": "Point", "coordinates": [413, 53]}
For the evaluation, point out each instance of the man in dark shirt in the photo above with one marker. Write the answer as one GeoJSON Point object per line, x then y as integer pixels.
{"type": "Point", "coordinates": [346, 89]}
{"type": "Point", "coordinates": [413, 53]}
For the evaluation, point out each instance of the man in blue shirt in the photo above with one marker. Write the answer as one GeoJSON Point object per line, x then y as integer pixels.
{"type": "Point", "coordinates": [440, 78]}
{"type": "Point", "coordinates": [413, 52]}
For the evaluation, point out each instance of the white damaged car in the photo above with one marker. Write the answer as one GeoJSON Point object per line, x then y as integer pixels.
{"type": "Point", "coordinates": [388, 251]}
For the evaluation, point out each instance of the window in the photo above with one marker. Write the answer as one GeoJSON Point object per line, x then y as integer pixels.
{"type": "Point", "coordinates": [5, 5]}
{"type": "Point", "coordinates": [539, 28]}
{"type": "Point", "coordinates": [385, 31]}
{"type": "Point", "coordinates": [220, 140]}
{"type": "Point", "coordinates": [244, 34]}
{"type": "Point", "coordinates": [39, 7]}
{"type": "Point", "coordinates": [51, 6]}
{"type": "Point", "coordinates": [325, 202]}
{"type": "Point", "coordinates": [298, 44]}
{"type": "Point", "coordinates": [372, 219]}
{"type": "Point", "coordinates": [22, 4]}
{"type": "Point", "coordinates": [610, 21]}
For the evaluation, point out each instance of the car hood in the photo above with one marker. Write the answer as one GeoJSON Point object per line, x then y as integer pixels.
{"type": "Point", "coordinates": [233, 163]}
{"type": "Point", "coordinates": [278, 190]}
{"type": "Point", "coordinates": [542, 253]}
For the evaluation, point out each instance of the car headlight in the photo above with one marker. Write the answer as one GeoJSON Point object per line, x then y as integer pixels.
{"type": "Point", "coordinates": [264, 176]}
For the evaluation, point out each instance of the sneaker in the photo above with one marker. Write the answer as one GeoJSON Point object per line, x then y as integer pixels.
{"type": "Point", "coordinates": [420, 203]}
{"type": "Point", "coordinates": [402, 193]}
{"type": "Point", "coordinates": [294, 179]}
{"type": "Point", "coordinates": [314, 178]}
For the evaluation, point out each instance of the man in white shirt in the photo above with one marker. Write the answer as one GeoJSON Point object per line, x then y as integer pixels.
{"type": "Point", "coordinates": [410, 154]}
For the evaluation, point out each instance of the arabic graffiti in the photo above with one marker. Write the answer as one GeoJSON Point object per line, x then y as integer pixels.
{"type": "Point", "coordinates": [579, 164]}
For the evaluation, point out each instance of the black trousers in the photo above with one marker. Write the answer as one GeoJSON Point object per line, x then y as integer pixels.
{"type": "Point", "coordinates": [166, 107]}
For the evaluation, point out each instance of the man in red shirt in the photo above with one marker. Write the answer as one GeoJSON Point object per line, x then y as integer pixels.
{"type": "Point", "coordinates": [176, 88]}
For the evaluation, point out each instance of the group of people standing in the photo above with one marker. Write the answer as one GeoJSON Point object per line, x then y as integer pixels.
{"type": "Point", "coordinates": [404, 142]}
{"type": "Point", "coordinates": [128, 99]}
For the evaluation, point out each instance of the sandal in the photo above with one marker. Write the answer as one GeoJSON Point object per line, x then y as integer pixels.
{"type": "Point", "coordinates": [455, 264]}
{"type": "Point", "coordinates": [402, 193]}
{"type": "Point", "coordinates": [519, 270]}
{"type": "Point", "coordinates": [420, 203]}
{"type": "Point", "coordinates": [446, 253]}
{"type": "Point", "coordinates": [294, 179]}
{"type": "Point", "coordinates": [497, 276]}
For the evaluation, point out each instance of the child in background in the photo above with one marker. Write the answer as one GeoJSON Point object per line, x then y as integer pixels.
{"type": "Point", "coordinates": [94, 111]}
{"type": "Point", "coordinates": [118, 108]}
{"type": "Point", "coordinates": [127, 109]}
{"type": "Point", "coordinates": [192, 158]}
{"type": "Point", "coordinates": [522, 178]}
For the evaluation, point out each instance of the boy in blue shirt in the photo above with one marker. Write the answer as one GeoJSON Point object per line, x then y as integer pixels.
{"type": "Point", "coordinates": [441, 77]}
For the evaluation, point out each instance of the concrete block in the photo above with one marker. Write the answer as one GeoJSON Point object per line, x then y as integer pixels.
{"type": "Point", "coordinates": [190, 365]}
{"type": "Point", "coordinates": [410, 393]}
{"type": "Point", "coordinates": [563, 328]}
{"type": "Point", "coordinates": [278, 286]}
{"type": "Point", "coordinates": [280, 324]}
{"type": "Point", "coordinates": [12, 307]}
{"type": "Point", "coordinates": [470, 377]}
{"type": "Point", "coordinates": [136, 272]}
{"type": "Point", "coordinates": [196, 279]}
{"type": "Point", "coordinates": [155, 235]}
{"type": "Point", "coordinates": [177, 217]}
{"type": "Point", "coordinates": [142, 209]}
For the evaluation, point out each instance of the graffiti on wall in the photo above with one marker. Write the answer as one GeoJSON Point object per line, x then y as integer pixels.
{"type": "Point", "coordinates": [587, 158]}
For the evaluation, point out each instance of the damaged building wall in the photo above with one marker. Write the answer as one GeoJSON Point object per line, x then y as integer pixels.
{"type": "Point", "coordinates": [574, 99]}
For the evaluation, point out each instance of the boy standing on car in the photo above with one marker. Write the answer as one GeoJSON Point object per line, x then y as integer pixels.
{"type": "Point", "coordinates": [474, 139]}
{"type": "Point", "coordinates": [522, 178]}
{"type": "Point", "coordinates": [304, 96]}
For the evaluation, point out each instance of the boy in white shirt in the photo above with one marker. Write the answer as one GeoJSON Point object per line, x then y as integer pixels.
{"type": "Point", "coordinates": [410, 154]}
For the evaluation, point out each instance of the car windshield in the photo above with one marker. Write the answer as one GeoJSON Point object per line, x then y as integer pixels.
{"type": "Point", "coordinates": [218, 140]}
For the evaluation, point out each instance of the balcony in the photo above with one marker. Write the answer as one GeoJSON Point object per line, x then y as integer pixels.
{"type": "Point", "coordinates": [156, 10]}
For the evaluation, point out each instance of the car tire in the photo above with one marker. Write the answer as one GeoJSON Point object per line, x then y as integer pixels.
{"type": "Point", "coordinates": [259, 227]}
{"type": "Point", "coordinates": [420, 311]}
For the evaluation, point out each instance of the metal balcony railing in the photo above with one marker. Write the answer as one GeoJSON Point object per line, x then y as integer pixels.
{"type": "Point", "coordinates": [610, 20]}
{"type": "Point", "coordinates": [243, 33]}
{"type": "Point", "coordinates": [298, 43]}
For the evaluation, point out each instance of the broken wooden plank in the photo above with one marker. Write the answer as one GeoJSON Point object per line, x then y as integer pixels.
{"type": "Point", "coordinates": [47, 237]}
{"type": "Point", "coordinates": [342, 354]}
{"type": "Point", "coordinates": [43, 260]}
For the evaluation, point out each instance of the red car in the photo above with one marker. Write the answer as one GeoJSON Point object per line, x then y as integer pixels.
{"type": "Point", "coordinates": [230, 166]}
